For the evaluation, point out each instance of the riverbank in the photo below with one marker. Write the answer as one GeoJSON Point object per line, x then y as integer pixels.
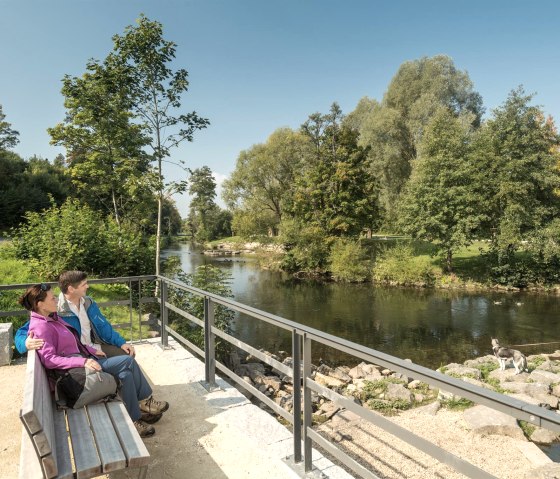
{"type": "Point", "coordinates": [409, 268]}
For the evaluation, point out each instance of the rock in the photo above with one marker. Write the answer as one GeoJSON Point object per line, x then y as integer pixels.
{"type": "Point", "coordinates": [538, 399]}
{"type": "Point", "coordinates": [6, 335]}
{"type": "Point", "coordinates": [547, 377]}
{"type": "Point", "coordinates": [551, 366]}
{"type": "Point", "coordinates": [328, 381]}
{"type": "Point", "coordinates": [374, 376]}
{"type": "Point", "coordinates": [386, 372]}
{"type": "Point", "coordinates": [430, 409]}
{"type": "Point", "coordinates": [253, 370]}
{"type": "Point", "coordinates": [508, 375]}
{"type": "Point", "coordinates": [549, 471]}
{"type": "Point", "coordinates": [556, 390]}
{"type": "Point", "coordinates": [272, 382]}
{"type": "Point", "coordinates": [418, 397]}
{"type": "Point", "coordinates": [328, 409]}
{"type": "Point", "coordinates": [342, 374]}
{"type": "Point", "coordinates": [475, 382]}
{"type": "Point", "coordinates": [414, 384]}
{"type": "Point", "coordinates": [402, 377]}
{"type": "Point", "coordinates": [324, 369]}
{"type": "Point", "coordinates": [447, 396]}
{"type": "Point", "coordinates": [356, 372]}
{"type": "Point", "coordinates": [397, 392]}
{"type": "Point", "coordinates": [485, 421]}
{"type": "Point", "coordinates": [458, 370]}
{"type": "Point", "coordinates": [473, 363]}
{"type": "Point", "coordinates": [555, 356]}
{"type": "Point", "coordinates": [543, 436]}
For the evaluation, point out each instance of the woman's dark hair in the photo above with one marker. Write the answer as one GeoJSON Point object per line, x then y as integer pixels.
{"type": "Point", "coordinates": [34, 294]}
{"type": "Point", "coordinates": [70, 278]}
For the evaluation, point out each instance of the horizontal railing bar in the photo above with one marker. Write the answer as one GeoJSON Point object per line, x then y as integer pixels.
{"type": "Point", "coordinates": [255, 352]}
{"type": "Point", "coordinates": [404, 434]}
{"type": "Point", "coordinates": [184, 341]}
{"type": "Point", "coordinates": [341, 455]}
{"type": "Point", "coordinates": [122, 279]}
{"type": "Point", "coordinates": [146, 300]}
{"type": "Point", "coordinates": [116, 302]}
{"type": "Point", "coordinates": [20, 312]}
{"type": "Point", "coordinates": [255, 392]}
{"type": "Point", "coordinates": [185, 314]}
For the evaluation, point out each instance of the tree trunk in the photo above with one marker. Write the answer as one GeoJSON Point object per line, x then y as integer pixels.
{"type": "Point", "coordinates": [449, 261]}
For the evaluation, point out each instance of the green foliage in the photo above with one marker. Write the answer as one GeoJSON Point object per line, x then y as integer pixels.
{"type": "Point", "coordinates": [73, 236]}
{"type": "Point", "coordinates": [348, 261]}
{"type": "Point", "coordinates": [438, 205]}
{"type": "Point", "coordinates": [459, 404]}
{"type": "Point", "coordinates": [536, 362]}
{"type": "Point", "coordinates": [527, 428]}
{"type": "Point", "coordinates": [8, 137]}
{"type": "Point", "coordinates": [210, 279]}
{"type": "Point", "coordinates": [399, 265]}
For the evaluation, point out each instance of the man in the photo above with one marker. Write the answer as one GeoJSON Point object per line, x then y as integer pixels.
{"type": "Point", "coordinates": [82, 313]}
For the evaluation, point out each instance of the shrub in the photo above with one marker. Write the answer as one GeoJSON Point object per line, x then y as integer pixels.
{"type": "Point", "coordinates": [399, 265]}
{"type": "Point", "coordinates": [348, 262]}
{"type": "Point", "coordinates": [73, 236]}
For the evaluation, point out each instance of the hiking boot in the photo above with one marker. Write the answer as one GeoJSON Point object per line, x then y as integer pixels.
{"type": "Point", "coordinates": [145, 430]}
{"type": "Point", "coordinates": [150, 418]}
{"type": "Point", "coordinates": [152, 406]}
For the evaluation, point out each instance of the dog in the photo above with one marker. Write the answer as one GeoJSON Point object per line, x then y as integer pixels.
{"type": "Point", "coordinates": [504, 354]}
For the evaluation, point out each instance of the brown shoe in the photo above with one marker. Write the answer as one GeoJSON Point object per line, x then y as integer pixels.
{"type": "Point", "coordinates": [152, 406]}
{"type": "Point", "coordinates": [150, 418]}
{"type": "Point", "coordinates": [145, 430]}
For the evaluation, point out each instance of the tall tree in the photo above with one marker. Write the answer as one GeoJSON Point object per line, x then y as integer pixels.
{"type": "Point", "coordinates": [518, 150]}
{"type": "Point", "coordinates": [156, 92]}
{"type": "Point", "coordinates": [335, 190]}
{"type": "Point", "coordinates": [441, 202]}
{"type": "Point", "coordinates": [394, 128]}
{"type": "Point", "coordinates": [8, 137]}
{"type": "Point", "coordinates": [104, 148]}
{"type": "Point", "coordinates": [261, 186]}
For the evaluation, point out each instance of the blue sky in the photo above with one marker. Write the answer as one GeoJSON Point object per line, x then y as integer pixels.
{"type": "Point", "coordinates": [259, 65]}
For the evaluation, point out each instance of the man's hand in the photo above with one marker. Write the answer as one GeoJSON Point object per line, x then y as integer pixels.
{"type": "Point", "coordinates": [33, 343]}
{"type": "Point", "coordinates": [100, 354]}
{"type": "Point", "coordinates": [128, 349]}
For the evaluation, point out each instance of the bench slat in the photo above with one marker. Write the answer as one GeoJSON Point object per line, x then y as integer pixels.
{"type": "Point", "coordinates": [63, 460]}
{"type": "Point", "coordinates": [108, 446]}
{"type": "Point", "coordinates": [83, 445]}
{"type": "Point", "coordinates": [30, 467]}
{"type": "Point", "coordinates": [136, 453]}
{"type": "Point", "coordinates": [31, 394]}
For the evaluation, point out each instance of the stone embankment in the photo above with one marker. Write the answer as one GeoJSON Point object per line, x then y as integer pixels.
{"type": "Point", "coordinates": [392, 393]}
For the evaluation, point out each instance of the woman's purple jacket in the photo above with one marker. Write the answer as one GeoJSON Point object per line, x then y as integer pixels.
{"type": "Point", "coordinates": [60, 342]}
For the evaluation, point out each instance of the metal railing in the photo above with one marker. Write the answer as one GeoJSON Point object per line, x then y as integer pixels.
{"type": "Point", "coordinates": [303, 338]}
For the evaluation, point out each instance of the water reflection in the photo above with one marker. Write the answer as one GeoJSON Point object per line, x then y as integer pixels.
{"type": "Point", "coordinates": [430, 327]}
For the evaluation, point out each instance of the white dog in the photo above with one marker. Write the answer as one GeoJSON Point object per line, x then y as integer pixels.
{"type": "Point", "coordinates": [504, 354]}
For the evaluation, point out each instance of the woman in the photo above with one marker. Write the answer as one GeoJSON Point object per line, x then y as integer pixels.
{"type": "Point", "coordinates": [60, 350]}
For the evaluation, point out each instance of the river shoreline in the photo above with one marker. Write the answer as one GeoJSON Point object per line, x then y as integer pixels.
{"type": "Point", "coordinates": [447, 282]}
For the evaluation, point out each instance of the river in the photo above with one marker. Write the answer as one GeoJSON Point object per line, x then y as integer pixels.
{"type": "Point", "coordinates": [430, 327]}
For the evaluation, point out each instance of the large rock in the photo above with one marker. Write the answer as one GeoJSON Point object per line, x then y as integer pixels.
{"type": "Point", "coordinates": [328, 381]}
{"type": "Point", "coordinates": [6, 335]}
{"type": "Point", "coordinates": [342, 374]}
{"type": "Point", "coordinates": [485, 421]}
{"type": "Point", "coordinates": [509, 375]}
{"type": "Point", "coordinates": [537, 399]}
{"type": "Point", "coordinates": [397, 392]}
{"type": "Point", "coordinates": [547, 377]}
{"type": "Point", "coordinates": [543, 436]}
{"type": "Point", "coordinates": [550, 471]}
{"type": "Point", "coordinates": [459, 370]}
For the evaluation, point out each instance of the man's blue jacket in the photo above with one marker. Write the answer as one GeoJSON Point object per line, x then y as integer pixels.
{"type": "Point", "coordinates": [102, 331]}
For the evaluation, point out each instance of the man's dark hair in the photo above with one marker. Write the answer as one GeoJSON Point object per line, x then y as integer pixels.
{"type": "Point", "coordinates": [70, 278]}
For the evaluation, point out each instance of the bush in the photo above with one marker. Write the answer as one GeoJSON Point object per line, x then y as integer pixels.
{"type": "Point", "coordinates": [400, 266]}
{"type": "Point", "coordinates": [73, 236]}
{"type": "Point", "coordinates": [349, 262]}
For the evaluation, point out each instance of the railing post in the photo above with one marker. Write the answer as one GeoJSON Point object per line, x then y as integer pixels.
{"type": "Point", "coordinates": [296, 366]}
{"type": "Point", "coordinates": [307, 405]}
{"type": "Point", "coordinates": [140, 308]}
{"type": "Point", "coordinates": [164, 314]}
{"type": "Point", "coordinates": [209, 343]}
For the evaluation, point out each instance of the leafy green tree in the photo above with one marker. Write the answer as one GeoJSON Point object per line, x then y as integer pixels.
{"type": "Point", "coordinates": [441, 202]}
{"type": "Point", "coordinates": [335, 190]}
{"type": "Point", "coordinates": [8, 136]}
{"type": "Point", "coordinates": [156, 93]}
{"type": "Point", "coordinates": [104, 147]}
{"type": "Point", "coordinates": [394, 128]}
{"type": "Point", "coordinates": [518, 150]}
{"type": "Point", "coordinates": [261, 186]}
{"type": "Point", "coordinates": [349, 262]}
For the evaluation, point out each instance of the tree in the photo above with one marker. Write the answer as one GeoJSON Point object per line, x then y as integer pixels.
{"type": "Point", "coordinates": [104, 148]}
{"type": "Point", "coordinates": [518, 150]}
{"type": "Point", "coordinates": [393, 129]}
{"type": "Point", "coordinates": [8, 137]}
{"type": "Point", "coordinates": [261, 186]}
{"type": "Point", "coordinates": [441, 202]}
{"type": "Point", "coordinates": [156, 91]}
{"type": "Point", "coordinates": [202, 189]}
{"type": "Point", "coordinates": [335, 190]}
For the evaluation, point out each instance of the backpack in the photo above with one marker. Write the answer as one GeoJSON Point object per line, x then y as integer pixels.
{"type": "Point", "coordinates": [78, 387]}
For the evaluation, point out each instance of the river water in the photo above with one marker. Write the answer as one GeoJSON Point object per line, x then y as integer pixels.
{"type": "Point", "coordinates": [430, 327]}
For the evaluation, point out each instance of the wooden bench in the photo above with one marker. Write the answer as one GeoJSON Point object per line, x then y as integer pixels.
{"type": "Point", "coordinates": [74, 443]}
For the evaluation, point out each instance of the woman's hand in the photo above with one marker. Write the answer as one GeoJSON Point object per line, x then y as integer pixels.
{"type": "Point", "coordinates": [92, 364]}
{"type": "Point", "coordinates": [33, 343]}
{"type": "Point", "coordinates": [100, 354]}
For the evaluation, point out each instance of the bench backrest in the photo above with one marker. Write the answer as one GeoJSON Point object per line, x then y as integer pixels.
{"type": "Point", "coordinates": [37, 415]}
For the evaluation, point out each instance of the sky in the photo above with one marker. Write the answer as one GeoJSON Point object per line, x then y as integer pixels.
{"type": "Point", "coordinates": [258, 65]}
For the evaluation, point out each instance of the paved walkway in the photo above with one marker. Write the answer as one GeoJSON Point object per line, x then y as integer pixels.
{"type": "Point", "coordinates": [214, 435]}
